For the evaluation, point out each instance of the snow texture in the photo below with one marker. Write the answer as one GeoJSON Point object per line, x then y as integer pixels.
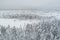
{"type": "Point", "coordinates": [29, 25]}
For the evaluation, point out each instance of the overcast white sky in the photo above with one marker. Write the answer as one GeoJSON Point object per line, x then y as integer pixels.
{"type": "Point", "coordinates": [27, 4]}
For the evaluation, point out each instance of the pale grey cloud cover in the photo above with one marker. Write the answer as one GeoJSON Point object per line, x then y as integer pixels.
{"type": "Point", "coordinates": [27, 4]}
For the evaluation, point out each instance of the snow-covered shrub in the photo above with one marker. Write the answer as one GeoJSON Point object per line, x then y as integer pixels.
{"type": "Point", "coordinates": [45, 30]}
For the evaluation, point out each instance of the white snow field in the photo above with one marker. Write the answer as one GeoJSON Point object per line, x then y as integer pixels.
{"type": "Point", "coordinates": [16, 22]}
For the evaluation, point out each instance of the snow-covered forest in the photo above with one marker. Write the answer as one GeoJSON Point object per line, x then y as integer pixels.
{"type": "Point", "coordinates": [29, 25]}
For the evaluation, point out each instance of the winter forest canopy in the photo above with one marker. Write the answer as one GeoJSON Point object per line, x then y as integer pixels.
{"type": "Point", "coordinates": [29, 19]}
{"type": "Point", "coordinates": [38, 25]}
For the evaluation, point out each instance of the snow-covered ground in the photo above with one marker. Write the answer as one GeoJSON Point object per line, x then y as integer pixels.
{"type": "Point", "coordinates": [16, 22]}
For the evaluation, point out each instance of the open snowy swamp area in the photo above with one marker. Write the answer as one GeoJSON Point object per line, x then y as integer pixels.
{"type": "Point", "coordinates": [29, 25]}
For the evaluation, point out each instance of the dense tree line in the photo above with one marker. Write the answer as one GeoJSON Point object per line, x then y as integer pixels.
{"type": "Point", "coordinates": [24, 16]}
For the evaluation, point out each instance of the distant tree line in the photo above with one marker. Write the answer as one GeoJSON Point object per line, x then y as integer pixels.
{"type": "Point", "coordinates": [25, 16]}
